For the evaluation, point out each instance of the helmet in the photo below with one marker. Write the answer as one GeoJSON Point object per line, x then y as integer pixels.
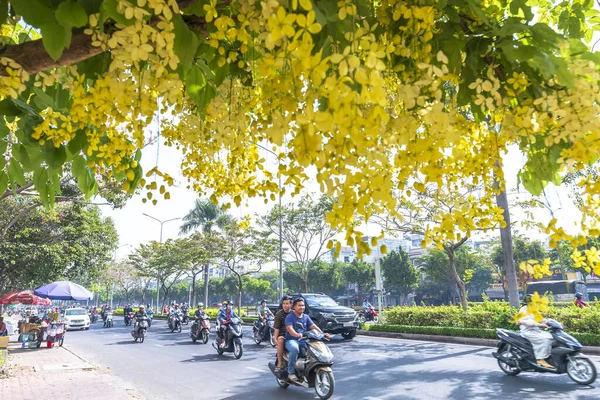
{"type": "Point", "coordinates": [142, 306]}
{"type": "Point", "coordinates": [528, 298]}
{"type": "Point", "coordinates": [225, 302]}
{"type": "Point", "coordinates": [200, 304]}
{"type": "Point", "coordinates": [263, 301]}
{"type": "Point", "coordinates": [578, 294]}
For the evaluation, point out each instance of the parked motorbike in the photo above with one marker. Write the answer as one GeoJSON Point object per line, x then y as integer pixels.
{"type": "Point", "coordinates": [175, 323]}
{"type": "Point", "coordinates": [200, 329]}
{"type": "Point", "coordinates": [515, 354]}
{"type": "Point", "coordinates": [313, 367]}
{"type": "Point", "coordinates": [232, 339]}
{"type": "Point", "coordinates": [139, 329]}
{"type": "Point", "coordinates": [108, 322]}
{"type": "Point", "coordinates": [268, 331]}
{"type": "Point", "coordinates": [370, 315]}
{"type": "Point", "coordinates": [128, 318]}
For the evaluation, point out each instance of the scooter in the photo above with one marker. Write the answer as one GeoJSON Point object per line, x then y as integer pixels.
{"type": "Point", "coordinates": [108, 322]}
{"type": "Point", "coordinates": [200, 329]}
{"type": "Point", "coordinates": [128, 318]}
{"type": "Point", "coordinates": [139, 329]}
{"type": "Point", "coordinates": [515, 354]}
{"type": "Point", "coordinates": [175, 323]}
{"type": "Point", "coordinates": [313, 367]}
{"type": "Point", "coordinates": [232, 339]}
{"type": "Point", "coordinates": [150, 315]}
{"type": "Point", "coordinates": [185, 319]}
{"type": "Point", "coordinates": [370, 315]}
{"type": "Point", "coordinates": [268, 332]}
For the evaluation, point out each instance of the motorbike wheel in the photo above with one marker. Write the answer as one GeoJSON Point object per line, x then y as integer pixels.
{"type": "Point", "coordinates": [581, 370]}
{"type": "Point", "coordinates": [204, 337]}
{"type": "Point", "coordinates": [362, 319]}
{"type": "Point", "coordinates": [282, 384]}
{"type": "Point", "coordinates": [324, 384]}
{"type": "Point", "coordinates": [142, 336]}
{"type": "Point", "coordinates": [238, 350]}
{"type": "Point", "coordinates": [178, 328]}
{"type": "Point", "coordinates": [506, 368]}
{"type": "Point", "coordinates": [272, 340]}
{"type": "Point", "coordinates": [376, 319]}
{"type": "Point", "coordinates": [219, 350]}
{"type": "Point", "coordinates": [256, 339]}
{"type": "Point", "coordinates": [194, 338]}
{"type": "Point", "coordinates": [135, 339]}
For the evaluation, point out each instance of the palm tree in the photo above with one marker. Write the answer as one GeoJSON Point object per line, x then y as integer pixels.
{"type": "Point", "coordinates": [205, 215]}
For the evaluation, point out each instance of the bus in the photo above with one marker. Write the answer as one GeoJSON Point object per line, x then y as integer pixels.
{"type": "Point", "coordinates": [563, 291]}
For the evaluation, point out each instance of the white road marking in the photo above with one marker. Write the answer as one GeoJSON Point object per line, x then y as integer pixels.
{"type": "Point", "coordinates": [256, 369]}
{"type": "Point", "coordinates": [159, 345]}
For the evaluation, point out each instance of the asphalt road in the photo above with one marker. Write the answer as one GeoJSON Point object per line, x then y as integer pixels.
{"type": "Point", "coordinates": [168, 366]}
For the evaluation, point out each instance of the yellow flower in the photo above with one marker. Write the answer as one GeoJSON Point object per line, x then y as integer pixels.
{"type": "Point", "coordinates": [211, 10]}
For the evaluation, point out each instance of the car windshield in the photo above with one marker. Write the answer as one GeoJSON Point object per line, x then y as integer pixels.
{"type": "Point", "coordinates": [320, 301]}
{"type": "Point", "coordinates": [75, 312]}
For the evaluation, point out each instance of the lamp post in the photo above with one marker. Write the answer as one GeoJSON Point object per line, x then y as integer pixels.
{"type": "Point", "coordinates": [280, 222]}
{"type": "Point", "coordinates": [161, 236]}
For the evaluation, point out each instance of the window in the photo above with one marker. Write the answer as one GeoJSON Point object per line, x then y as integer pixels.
{"type": "Point", "coordinates": [320, 301]}
{"type": "Point", "coordinates": [346, 259]}
{"type": "Point", "coordinates": [76, 312]}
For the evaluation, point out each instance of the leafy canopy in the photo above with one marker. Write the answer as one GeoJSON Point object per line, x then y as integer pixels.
{"type": "Point", "coordinates": [371, 95]}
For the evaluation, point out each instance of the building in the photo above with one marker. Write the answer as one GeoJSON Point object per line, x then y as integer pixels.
{"type": "Point", "coordinates": [392, 244]}
{"type": "Point", "coordinates": [216, 271]}
{"type": "Point", "coordinates": [347, 254]}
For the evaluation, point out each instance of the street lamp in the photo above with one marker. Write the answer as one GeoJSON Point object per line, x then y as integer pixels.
{"type": "Point", "coordinates": [161, 231]}
{"type": "Point", "coordinates": [280, 222]}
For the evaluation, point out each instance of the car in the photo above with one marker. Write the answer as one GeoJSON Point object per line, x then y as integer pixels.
{"type": "Point", "coordinates": [329, 315]}
{"type": "Point", "coordinates": [76, 318]}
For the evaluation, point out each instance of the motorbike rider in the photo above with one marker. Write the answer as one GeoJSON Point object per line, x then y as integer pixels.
{"type": "Point", "coordinates": [141, 313]}
{"type": "Point", "coordinates": [366, 306]}
{"type": "Point", "coordinates": [185, 308]}
{"type": "Point", "coordinates": [263, 313]}
{"type": "Point", "coordinates": [225, 314]}
{"type": "Point", "coordinates": [126, 311]}
{"type": "Point", "coordinates": [174, 312]}
{"type": "Point", "coordinates": [579, 300]}
{"type": "Point", "coordinates": [540, 340]}
{"type": "Point", "coordinates": [279, 324]}
{"type": "Point", "coordinates": [296, 324]}
{"type": "Point", "coordinates": [200, 313]}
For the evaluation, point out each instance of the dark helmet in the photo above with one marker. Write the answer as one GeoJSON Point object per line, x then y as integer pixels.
{"type": "Point", "coordinates": [578, 295]}
{"type": "Point", "coordinates": [528, 298]}
{"type": "Point", "coordinates": [263, 301]}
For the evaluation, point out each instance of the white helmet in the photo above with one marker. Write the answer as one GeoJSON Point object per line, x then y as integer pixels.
{"type": "Point", "coordinates": [201, 305]}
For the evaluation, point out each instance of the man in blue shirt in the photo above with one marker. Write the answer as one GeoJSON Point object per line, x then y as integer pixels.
{"type": "Point", "coordinates": [296, 323]}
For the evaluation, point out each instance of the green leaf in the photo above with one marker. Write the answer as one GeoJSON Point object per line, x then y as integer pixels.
{"type": "Point", "coordinates": [20, 154]}
{"type": "Point", "coordinates": [78, 143]}
{"type": "Point", "coordinates": [90, 6]}
{"type": "Point", "coordinates": [138, 155]}
{"type": "Point", "coordinates": [16, 172]}
{"type": "Point", "coordinates": [516, 5]}
{"type": "Point", "coordinates": [70, 13]}
{"type": "Point", "coordinates": [40, 182]}
{"type": "Point", "coordinates": [34, 12]}
{"type": "Point", "coordinates": [195, 81]}
{"type": "Point", "coordinates": [42, 99]}
{"type": "Point", "coordinates": [3, 182]}
{"type": "Point", "coordinates": [109, 9]}
{"type": "Point", "coordinates": [78, 167]}
{"type": "Point", "coordinates": [9, 109]}
{"type": "Point", "coordinates": [3, 14]}
{"type": "Point", "coordinates": [54, 37]}
{"type": "Point", "coordinates": [56, 157]}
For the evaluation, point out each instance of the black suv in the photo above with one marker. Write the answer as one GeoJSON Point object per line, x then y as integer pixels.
{"type": "Point", "coordinates": [327, 314]}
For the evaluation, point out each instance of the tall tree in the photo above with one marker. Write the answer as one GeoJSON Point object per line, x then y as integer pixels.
{"type": "Point", "coordinates": [427, 210]}
{"type": "Point", "coordinates": [360, 273]}
{"type": "Point", "coordinates": [205, 215]}
{"type": "Point", "coordinates": [246, 251]}
{"type": "Point", "coordinates": [399, 273]}
{"type": "Point", "coordinates": [305, 232]}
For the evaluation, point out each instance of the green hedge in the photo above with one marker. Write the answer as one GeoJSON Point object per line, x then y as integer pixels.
{"type": "Point", "coordinates": [491, 315]}
{"type": "Point", "coordinates": [586, 339]}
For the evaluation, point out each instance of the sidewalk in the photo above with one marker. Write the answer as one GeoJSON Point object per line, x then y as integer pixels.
{"type": "Point", "coordinates": [43, 372]}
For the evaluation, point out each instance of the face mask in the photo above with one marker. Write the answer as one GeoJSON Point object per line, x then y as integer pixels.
{"type": "Point", "coordinates": [229, 307]}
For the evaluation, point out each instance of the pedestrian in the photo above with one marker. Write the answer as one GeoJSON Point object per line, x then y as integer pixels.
{"type": "Point", "coordinates": [3, 329]}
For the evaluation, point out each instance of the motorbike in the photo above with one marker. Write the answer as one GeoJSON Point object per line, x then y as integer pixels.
{"type": "Point", "coordinates": [268, 331]}
{"type": "Point", "coordinates": [370, 315]}
{"type": "Point", "coordinates": [108, 322]}
{"type": "Point", "coordinates": [139, 329]}
{"type": "Point", "coordinates": [128, 318]}
{"type": "Point", "coordinates": [185, 317]}
{"type": "Point", "coordinates": [200, 329]}
{"type": "Point", "coordinates": [313, 367]}
{"type": "Point", "coordinates": [150, 315]}
{"type": "Point", "coordinates": [93, 318]}
{"type": "Point", "coordinates": [515, 355]}
{"type": "Point", "coordinates": [175, 323]}
{"type": "Point", "coordinates": [232, 339]}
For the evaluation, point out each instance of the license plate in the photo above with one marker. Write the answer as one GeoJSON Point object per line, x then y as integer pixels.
{"type": "Point", "coordinates": [348, 324]}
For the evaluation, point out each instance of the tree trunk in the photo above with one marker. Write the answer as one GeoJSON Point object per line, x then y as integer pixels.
{"type": "Point", "coordinates": [206, 270]}
{"type": "Point", "coordinates": [193, 291]}
{"type": "Point", "coordinates": [507, 247]}
{"type": "Point", "coordinates": [240, 291]}
{"type": "Point", "coordinates": [462, 292]}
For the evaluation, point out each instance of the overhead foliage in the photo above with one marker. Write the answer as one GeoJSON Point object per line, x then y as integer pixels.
{"type": "Point", "coordinates": [370, 94]}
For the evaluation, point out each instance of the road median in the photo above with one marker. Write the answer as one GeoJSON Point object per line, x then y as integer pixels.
{"type": "Point", "coordinates": [475, 337]}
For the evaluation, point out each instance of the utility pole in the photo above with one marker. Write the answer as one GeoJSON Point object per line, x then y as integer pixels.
{"type": "Point", "coordinates": [161, 237]}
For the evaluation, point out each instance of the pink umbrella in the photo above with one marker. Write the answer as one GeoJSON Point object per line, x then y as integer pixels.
{"type": "Point", "coordinates": [24, 297]}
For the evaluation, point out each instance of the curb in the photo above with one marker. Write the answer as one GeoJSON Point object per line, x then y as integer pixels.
{"type": "Point", "coordinates": [594, 350]}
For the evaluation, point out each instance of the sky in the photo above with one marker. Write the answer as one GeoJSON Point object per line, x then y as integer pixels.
{"type": "Point", "coordinates": [134, 228]}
